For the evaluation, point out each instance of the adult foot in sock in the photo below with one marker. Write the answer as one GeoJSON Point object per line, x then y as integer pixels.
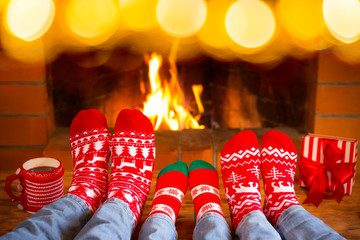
{"type": "Point", "coordinates": [89, 138]}
{"type": "Point", "coordinates": [278, 157]}
{"type": "Point", "coordinates": [240, 168]}
{"type": "Point", "coordinates": [133, 154]}
{"type": "Point", "coordinates": [171, 186]}
{"type": "Point", "coordinates": [204, 187]}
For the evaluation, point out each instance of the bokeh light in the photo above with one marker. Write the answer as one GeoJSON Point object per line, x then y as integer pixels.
{"type": "Point", "coordinates": [302, 19]}
{"type": "Point", "coordinates": [181, 18]}
{"type": "Point", "coordinates": [250, 23]}
{"type": "Point", "coordinates": [342, 17]}
{"type": "Point", "coordinates": [29, 20]}
{"type": "Point", "coordinates": [138, 14]}
{"type": "Point", "coordinates": [213, 33]}
{"type": "Point", "coordinates": [93, 20]}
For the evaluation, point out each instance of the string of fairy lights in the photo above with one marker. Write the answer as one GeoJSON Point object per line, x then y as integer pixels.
{"type": "Point", "coordinates": [251, 30]}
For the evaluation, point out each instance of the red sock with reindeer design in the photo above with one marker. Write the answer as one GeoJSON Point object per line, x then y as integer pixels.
{"type": "Point", "coordinates": [133, 154]}
{"type": "Point", "coordinates": [240, 168]}
{"type": "Point", "coordinates": [204, 187]}
{"type": "Point", "coordinates": [89, 139]}
{"type": "Point", "coordinates": [278, 157]}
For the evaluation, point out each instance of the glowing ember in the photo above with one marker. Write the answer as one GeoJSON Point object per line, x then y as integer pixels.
{"type": "Point", "coordinates": [164, 104]}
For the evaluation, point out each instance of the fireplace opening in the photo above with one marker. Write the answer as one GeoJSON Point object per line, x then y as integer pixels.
{"type": "Point", "coordinates": [234, 94]}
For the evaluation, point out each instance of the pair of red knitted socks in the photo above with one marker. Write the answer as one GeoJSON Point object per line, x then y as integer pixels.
{"type": "Point", "coordinates": [241, 164]}
{"type": "Point", "coordinates": [173, 182]}
{"type": "Point", "coordinates": [133, 152]}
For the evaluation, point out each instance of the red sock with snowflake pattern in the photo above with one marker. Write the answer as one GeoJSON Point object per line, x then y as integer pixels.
{"type": "Point", "coordinates": [89, 138]}
{"type": "Point", "coordinates": [240, 168]}
{"type": "Point", "coordinates": [204, 187]}
{"type": "Point", "coordinates": [278, 157]}
{"type": "Point", "coordinates": [171, 186]}
{"type": "Point", "coordinates": [133, 154]}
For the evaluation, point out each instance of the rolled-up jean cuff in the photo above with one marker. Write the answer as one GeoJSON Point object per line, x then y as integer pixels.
{"type": "Point", "coordinates": [158, 226]}
{"type": "Point", "coordinates": [249, 215]}
{"type": "Point", "coordinates": [209, 215]}
{"type": "Point", "coordinates": [123, 206]}
{"type": "Point", "coordinates": [166, 219]}
{"type": "Point", "coordinates": [82, 204]}
{"type": "Point", "coordinates": [286, 214]}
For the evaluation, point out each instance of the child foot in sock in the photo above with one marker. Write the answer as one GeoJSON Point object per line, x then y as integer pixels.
{"type": "Point", "coordinates": [133, 154]}
{"type": "Point", "coordinates": [204, 187]}
{"type": "Point", "coordinates": [240, 168]}
{"type": "Point", "coordinates": [171, 186]}
{"type": "Point", "coordinates": [278, 157]}
{"type": "Point", "coordinates": [89, 138]}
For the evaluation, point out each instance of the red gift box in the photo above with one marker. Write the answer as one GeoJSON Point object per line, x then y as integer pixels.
{"type": "Point", "coordinates": [327, 164]}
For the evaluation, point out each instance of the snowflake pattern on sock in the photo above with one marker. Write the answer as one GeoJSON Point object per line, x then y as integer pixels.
{"type": "Point", "coordinates": [240, 168]}
{"type": "Point", "coordinates": [278, 157]}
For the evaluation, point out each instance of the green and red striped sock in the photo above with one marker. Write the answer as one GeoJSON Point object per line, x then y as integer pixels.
{"type": "Point", "coordinates": [171, 186]}
{"type": "Point", "coordinates": [204, 187]}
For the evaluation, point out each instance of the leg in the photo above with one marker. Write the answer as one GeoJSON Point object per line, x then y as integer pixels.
{"type": "Point", "coordinates": [89, 138]}
{"type": "Point", "coordinates": [255, 226]}
{"type": "Point", "coordinates": [158, 226]}
{"type": "Point", "coordinates": [240, 168]}
{"type": "Point", "coordinates": [133, 155]}
{"type": "Point", "coordinates": [204, 187]}
{"type": "Point", "coordinates": [212, 226]}
{"type": "Point", "coordinates": [62, 219]}
{"type": "Point", "coordinates": [171, 186]}
{"type": "Point", "coordinates": [297, 223]}
{"type": "Point", "coordinates": [278, 156]}
{"type": "Point", "coordinates": [113, 220]}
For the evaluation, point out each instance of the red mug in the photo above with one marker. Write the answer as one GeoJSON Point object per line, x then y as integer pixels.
{"type": "Point", "coordinates": [41, 183]}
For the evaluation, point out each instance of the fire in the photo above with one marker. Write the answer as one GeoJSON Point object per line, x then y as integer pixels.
{"type": "Point", "coordinates": [164, 104]}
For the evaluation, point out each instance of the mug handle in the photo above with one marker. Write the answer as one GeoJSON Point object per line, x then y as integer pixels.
{"type": "Point", "coordinates": [8, 182]}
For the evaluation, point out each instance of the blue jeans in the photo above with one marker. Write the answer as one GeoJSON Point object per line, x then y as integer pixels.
{"type": "Point", "coordinates": [294, 223]}
{"type": "Point", "coordinates": [70, 218]}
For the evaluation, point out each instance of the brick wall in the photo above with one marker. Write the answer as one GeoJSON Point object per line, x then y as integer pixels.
{"type": "Point", "coordinates": [26, 113]}
{"type": "Point", "coordinates": [337, 108]}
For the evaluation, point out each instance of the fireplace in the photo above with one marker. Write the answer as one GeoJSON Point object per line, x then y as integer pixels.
{"type": "Point", "coordinates": [235, 94]}
{"type": "Point", "coordinates": [317, 94]}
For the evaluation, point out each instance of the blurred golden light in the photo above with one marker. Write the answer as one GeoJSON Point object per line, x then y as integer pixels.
{"type": "Point", "coordinates": [250, 23]}
{"type": "Point", "coordinates": [138, 14]}
{"type": "Point", "coordinates": [29, 20]}
{"type": "Point", "coordinates": [213, 33]}
{"type": "Point", "coordinates": [181, 18]}
{"type": "Point", "coordinates": [94, 20]}
{"type": "Point", "coordinates": [342, 17]}
{"type": "Point", "coordinates": [302, 19]}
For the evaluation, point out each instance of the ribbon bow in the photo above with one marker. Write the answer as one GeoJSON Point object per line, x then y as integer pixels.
{"type": "Point", "coordinates": [314, 174]}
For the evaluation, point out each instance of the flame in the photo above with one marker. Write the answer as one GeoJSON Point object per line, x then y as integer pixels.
{"type": "Point", "coordinates": [164, 104]}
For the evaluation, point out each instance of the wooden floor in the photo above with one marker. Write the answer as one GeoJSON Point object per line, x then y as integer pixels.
{"type": "Point", "coordinates": [343, 217]}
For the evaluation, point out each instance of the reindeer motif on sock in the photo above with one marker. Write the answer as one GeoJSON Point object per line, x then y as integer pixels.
{"type": "Point", "coordinates": [240, 167]}
{"type": "Point", "coordinates": [133, 148]}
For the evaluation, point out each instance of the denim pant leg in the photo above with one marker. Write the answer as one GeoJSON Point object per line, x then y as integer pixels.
{"type": "Point", "coordinates": [62, 219]}
{"type": "Point", "coordinates": [297, 223]}
{"type": "Point", "coordinates": [113, 220]}
{"type": "Point", "coordinates": [255, 226]}
{"type": "Point", "coordinates": [211, 226]}
{"type": "Point", "coordinates": [158, 227]}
